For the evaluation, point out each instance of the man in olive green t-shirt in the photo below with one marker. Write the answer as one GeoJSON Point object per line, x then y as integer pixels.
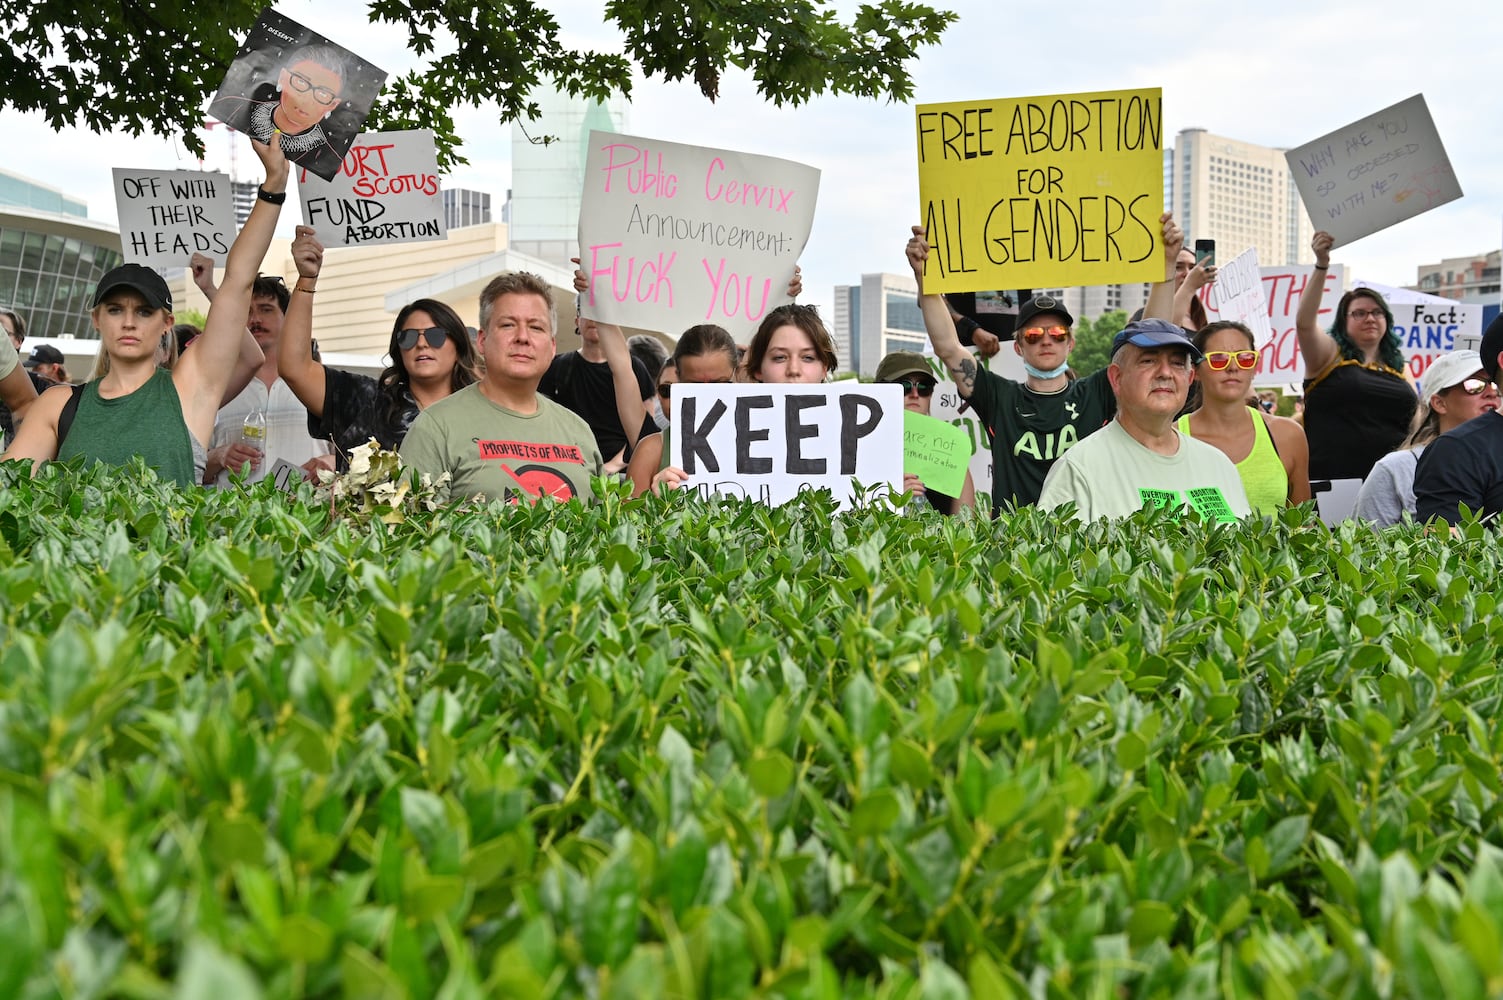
{"type": "Point", "coordinates": [498, 437]}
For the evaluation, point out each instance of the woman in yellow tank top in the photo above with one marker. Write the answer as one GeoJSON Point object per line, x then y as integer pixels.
{"type": "Point", "coordinates": [1270, 452]}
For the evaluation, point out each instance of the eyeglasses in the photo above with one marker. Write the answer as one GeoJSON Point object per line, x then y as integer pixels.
{"type": "Point", "coordinates": [1474, 386]}
{"type": "Point", "coordinates": [302, 85]}
{"type": "Point", "coordinates": [1220, 361]}
{"type": "Point", "coordinates": [1058, 334]}
{"type": "Point", "coordinates": [921, 386]}
{"type": "Point", "coordinates": [1364, 314]}
{"type": "Point", "coordinates": [664, 388]}
{"type": "Point", "coordinates": [434, 335]}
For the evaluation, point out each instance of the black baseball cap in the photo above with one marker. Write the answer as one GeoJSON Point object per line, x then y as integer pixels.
{"type": "Point", "coordinates": [144, 280]}
{"type": "Point", "coordinates": [1492, 344]}
{"type": "Point", "coordinates": [44, 354]}
{"type": "Point", "coordinates": [1040, 304]}
{"type": "Point", "coordinates": [1150, 334]}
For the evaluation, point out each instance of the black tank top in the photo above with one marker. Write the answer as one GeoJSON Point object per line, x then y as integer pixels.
{"type": "Point", "coordinates": [1354, 415]}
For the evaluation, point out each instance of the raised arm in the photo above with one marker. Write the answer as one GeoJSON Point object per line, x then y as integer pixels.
{"type": "Point", "coordinates": [1318, 348]}
{"type": "Point", "coordinates": [1160, 304]}
{"type": "Point", "coordinates": [1197, 278]}
{"type": "Point", "coordinates": [937, 321]}
{"type": "Point", "coordinates": [628, 391]}
{"type": "Point", "coordinates": [202, 376]}
{"type": "Point", "coordinates": [250, 357]}
{"type": "Point", "coordinates": [295, 345]}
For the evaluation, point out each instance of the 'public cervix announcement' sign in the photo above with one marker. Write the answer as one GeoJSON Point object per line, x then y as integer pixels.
{"type": "Point", "coordinates": [672, 235]}
{"type": "Point", "coordinates": [1042, 192]}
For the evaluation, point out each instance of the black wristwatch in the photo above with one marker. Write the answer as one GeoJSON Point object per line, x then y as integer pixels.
{"type": "Point", "coordinates": [267, 196]}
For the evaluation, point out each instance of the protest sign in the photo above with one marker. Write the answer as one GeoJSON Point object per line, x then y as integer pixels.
{"type": "Point", "coordinates": [936, 451]}
{"type": "Point", "coordinates": [772, 442]}
{"type": "Point", "coordinates": [166, 216]}
{"type": "Point", "coordinates": [1375, 172]}
{"type": "Point", "coordinates": [386, 191]}
{"type": "Point", "coordinates": [673, 236]}
{"type": "Point", "coordinates": [1042, 192]}
{"type": "Point", "coordinates": [1429, 325]}
{"type": "Point", "coordinates": [290, 79]}
{"type": "Point", "coordinates": [1240, 296]}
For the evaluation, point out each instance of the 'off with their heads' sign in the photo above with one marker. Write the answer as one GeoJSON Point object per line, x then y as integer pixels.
{"type": "Point", "coordinates": [166, 216]}
{"type": "Point", "coordinates": [1239, 295]}
{"type": "Point", "coordinates": [773, 442]}
{"type": "Point", "coordinates": [672, 236]}
{"type": "Point", "coordinates": [385, 191]}
{"type": "Point", "coordinates": [1042, 192]}
{"type": "Point", "coordinates": [1375, 172]}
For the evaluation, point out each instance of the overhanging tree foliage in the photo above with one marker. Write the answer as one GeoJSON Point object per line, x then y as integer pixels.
{"type": "Point", "coordinates": [151, 67]}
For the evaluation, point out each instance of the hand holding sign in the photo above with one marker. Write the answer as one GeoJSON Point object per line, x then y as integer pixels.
{"type": "Point", "coordinates": [167, 216]}
{"type": "Point", "coordinates": [1042, 191]}
{"type": "Point", "coordinates": [1375, 172]}
{"type": "Point", "coordinates": [673, 235]}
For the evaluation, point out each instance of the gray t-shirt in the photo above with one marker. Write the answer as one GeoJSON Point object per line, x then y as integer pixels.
{"type": "Point", "coordinates": [495, 452]}
{"type": "Point", "coordinates": [1110, 474]}
{"type": "Point", "coordinates": [1388, 490]}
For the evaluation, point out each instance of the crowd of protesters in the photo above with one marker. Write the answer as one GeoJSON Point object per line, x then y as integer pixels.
{"type": "Point", "coordinates": [1172, 421]}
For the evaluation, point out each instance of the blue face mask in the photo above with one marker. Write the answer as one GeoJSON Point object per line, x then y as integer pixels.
{"type": "Point", "coordinates": [1040, 373]}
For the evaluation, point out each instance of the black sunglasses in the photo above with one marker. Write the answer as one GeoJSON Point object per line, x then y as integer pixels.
{"type": "Point", "coordinates": [664, 388]}
{"type": "Point", "coordinates": [923, 386]}
{"type": "Point", "coordinates": [434, 335]}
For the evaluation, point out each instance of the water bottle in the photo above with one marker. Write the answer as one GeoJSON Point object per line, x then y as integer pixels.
{"type": "Point", "coordinates": [253, 431]}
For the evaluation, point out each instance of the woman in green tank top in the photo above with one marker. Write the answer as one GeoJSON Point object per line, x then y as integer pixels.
{"type": "Point", "coordinates": [1270, 452]}
{"type": "Point", "coordinates": [136, 408]}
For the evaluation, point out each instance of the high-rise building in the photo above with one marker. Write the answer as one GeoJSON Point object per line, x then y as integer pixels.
{"type": "Point", "coordinates": [1241, 195]}
{"type": "Point", "coordinates": [466, 207]}
{"type": "Point", "coordinates": [244, 195]}
{"type": "Point", "coordinates": [548, 179]}
{"type": "Point", "coordinates": [875, 317]}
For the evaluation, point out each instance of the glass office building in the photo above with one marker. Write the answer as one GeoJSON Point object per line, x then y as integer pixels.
{"type": "Point", "coordinates": [51, 257]}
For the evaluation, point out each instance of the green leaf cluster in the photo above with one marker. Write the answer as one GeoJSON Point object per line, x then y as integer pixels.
{"type": "Point", "coordinates": [668, 748]}
{"type": "Point", "coordinates": [152, 67]}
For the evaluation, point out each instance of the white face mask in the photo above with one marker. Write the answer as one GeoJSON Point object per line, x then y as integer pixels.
{"type": "Point", "coordinates": [1040, 373]}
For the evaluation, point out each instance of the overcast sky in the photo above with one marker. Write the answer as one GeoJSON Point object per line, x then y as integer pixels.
{"type": "Point", "coordinates": [1275, 73]}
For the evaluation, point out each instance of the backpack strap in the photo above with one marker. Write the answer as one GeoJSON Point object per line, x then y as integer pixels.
{"type": "Point", "coordinates": [70, 410]}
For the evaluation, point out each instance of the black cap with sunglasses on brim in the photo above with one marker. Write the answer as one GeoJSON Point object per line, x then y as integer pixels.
{"type": "Point", "coordinates": [1040, 305]}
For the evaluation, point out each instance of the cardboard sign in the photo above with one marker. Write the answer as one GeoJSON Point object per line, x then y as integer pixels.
{"type": "Point", "coordinates": [1240, 296]}
{"type": "Point", "coordinates": [166, 216]}
{"type": "Point", "coordinates": [291, 80]}
{"type": "Point", "coordinates": [772, 442]}
{"type": "Point", "coordinates": [936, 451]}
{"type": "Point", "coordinates": [1375, 172]}
{"type": "Point", "coordinates": [1429, 325]}
{"type": "Point", "coordinates": [1042, 192]}
{"type": "Point", "coordinates": [386, 191]}
{"type": "Point", "coordinates": [672, 236]}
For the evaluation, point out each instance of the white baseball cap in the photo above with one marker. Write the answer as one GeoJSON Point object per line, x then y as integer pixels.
{"type": "Point", "coordinates": [1448, 370]}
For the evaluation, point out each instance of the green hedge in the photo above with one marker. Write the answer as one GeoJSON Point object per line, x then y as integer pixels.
{"type": "Point", "coordinates": [664, 749]}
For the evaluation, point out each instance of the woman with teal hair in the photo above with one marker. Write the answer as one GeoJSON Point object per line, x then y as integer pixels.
{"type": "Point", "coordinates": [1358, 400]}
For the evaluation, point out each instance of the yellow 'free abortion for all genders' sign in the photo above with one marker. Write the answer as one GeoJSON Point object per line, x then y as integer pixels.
{"type": "Point", "coordinates": [1042, 192]}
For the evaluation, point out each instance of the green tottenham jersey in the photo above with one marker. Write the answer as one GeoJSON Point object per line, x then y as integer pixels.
{"type": "Point", "coordinates": [1029, 430]}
